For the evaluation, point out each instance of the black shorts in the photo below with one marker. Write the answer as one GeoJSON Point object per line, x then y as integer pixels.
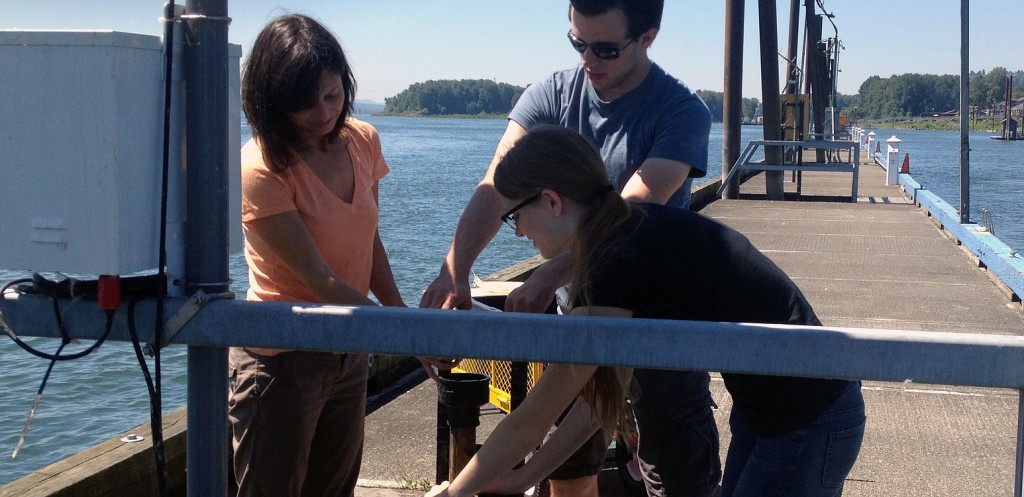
{"type": "Point", "coordinates": [678, 446]}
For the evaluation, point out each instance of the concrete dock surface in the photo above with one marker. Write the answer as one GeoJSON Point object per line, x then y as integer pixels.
{"type": "Point", "coordinates": [878, 263]}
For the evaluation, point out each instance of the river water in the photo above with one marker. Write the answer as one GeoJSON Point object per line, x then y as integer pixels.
{"type": "Point", "coordinates": [996, 174]}
{"type": "Point", "coordinates": [435, 164]}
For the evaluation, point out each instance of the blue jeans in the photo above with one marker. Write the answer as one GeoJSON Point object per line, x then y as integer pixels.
{"type": "Point", "coordinates": [811, 461]}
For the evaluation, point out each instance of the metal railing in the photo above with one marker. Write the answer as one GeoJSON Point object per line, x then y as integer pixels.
{"type": "Point", "coordinates": [749, 159]}
{"type": "Point", "coordinates": [825, 352]}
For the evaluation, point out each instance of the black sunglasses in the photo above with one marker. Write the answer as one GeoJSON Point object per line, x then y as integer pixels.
{"type": "Point", "coordinates": [511, 218]}
{"type": "Point", "coordinates": [601, 50]}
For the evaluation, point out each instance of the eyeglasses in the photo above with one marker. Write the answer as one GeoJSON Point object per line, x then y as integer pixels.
{"type": "Point", "coordinates": [601, 50]}
{"type": "Point", "coordinates": [511, 218]}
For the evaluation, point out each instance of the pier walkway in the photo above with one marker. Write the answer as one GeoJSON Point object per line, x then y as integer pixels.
{"type": "Point", "coordinates": [878, 263]}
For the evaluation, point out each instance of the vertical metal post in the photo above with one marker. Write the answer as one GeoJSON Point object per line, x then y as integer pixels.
{"type": "Point", "coordinates": [519, 383]}
{"type": "Point", "coordinates": [443, 439]}
{"type": "Point", "coordinates": [206, 252]}
{"type": "Point", "coordinates": [733, 99]}
{"type": "Point", "coordinates": [770, 94]}
{"type": "Point", "coordinates": [792, 81]}
{"type": "Point", "coordinates": [816, 75]}
{"type": "Point", "coordinates": [1018, 473]}
{"type": "Point", "coordinates": [1007, 103]}
{"type": "Point", "coordinates": [965, 105]}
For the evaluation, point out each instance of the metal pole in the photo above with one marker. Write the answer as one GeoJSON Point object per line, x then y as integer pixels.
{"type": "Point", "coordinates": [519, 383]}
{"type": "Point", "coordinates": [1007, 103]}
{"type": "Point", "coordinates": [733, 99]}
{"type": "Point", "coordinates": [1018, 473]}
{"type": "Point", "coordinates": [770, 93]}
{"type": "Point", "coordinates": [965, 105]}
{"type": "Point", "coordinates": [792, 81]}
{"type": "Point", "coordinates": [443, 440]}
{"type": "Point", "coordinates": [206, 252]}
{"type": "Point", "coordinates": [816, 75]}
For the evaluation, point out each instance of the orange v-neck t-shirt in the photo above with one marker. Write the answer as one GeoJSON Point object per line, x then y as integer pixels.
{"type": "Point", "coordinates": [344, 232]}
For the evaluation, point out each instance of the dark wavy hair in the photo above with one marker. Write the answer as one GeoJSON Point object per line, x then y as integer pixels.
{"type": "Point", "coordinates": [560, 159]}
{"type": "Point", "coordinates": [282, 75]}
{"type": "Point", "coordinates": [641, 15]}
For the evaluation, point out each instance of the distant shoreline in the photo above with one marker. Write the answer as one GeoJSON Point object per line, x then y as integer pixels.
{"type": "Point", "coordinates": [942, 123]}
{"type": "Point", "coordinates": [445, 116]}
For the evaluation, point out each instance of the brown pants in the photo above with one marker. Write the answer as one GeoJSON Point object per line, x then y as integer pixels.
{"type": "Point", "coordinates": [297, 422]}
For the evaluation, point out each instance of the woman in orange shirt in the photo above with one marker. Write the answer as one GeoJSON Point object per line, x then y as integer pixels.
{"type": "Point", "coordinates": [309, 212]}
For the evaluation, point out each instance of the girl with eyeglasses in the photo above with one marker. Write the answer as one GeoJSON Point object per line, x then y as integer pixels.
{"type": "Point", "coordinates": [790, 436]}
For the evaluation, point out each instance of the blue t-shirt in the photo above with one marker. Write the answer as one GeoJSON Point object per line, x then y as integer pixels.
{"type": "Point", "coordinates": [661, 118]}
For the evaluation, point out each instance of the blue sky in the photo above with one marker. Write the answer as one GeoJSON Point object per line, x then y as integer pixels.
{"type": "Point", "coordinates": [395, 43]}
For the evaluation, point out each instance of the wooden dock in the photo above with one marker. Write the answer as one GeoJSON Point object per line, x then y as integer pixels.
{"type": "Point", "coordinates": [883, 263]}
{"type": "Point", "coordinates": [878, 263]}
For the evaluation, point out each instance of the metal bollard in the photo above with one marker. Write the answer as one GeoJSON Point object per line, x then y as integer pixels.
{"type": "Point", "coordinates": [892, 159]}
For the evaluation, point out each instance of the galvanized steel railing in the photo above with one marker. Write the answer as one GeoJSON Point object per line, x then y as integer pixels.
{"type": "Point", "coordinates": [852, 353]}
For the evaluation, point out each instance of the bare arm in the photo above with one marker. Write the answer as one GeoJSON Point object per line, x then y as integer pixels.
{"type": "Point", "coordinates": [520, 431]}
{"type": "Point", "coordinates": [526, 426]}
{"type": "Point", "coordinates": [573, 431]}
{"type": "Point", "coordinates": [478, 224]}
{"type": "Point", "coordinates": [655, 181]}
{"type": "Point", "coordinates": [382, 279]}
{"type": "Point", "coordinates": [537, 292]}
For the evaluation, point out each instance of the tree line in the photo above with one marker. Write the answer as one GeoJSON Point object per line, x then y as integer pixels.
{"type": "Point", "coordinates": [913, 95]}
{"type": "Point", "coordinates": [902, 96]}
{"type": "Point", "coordinates": [464, 96]}
{"type": "Point", "coordinates": [483, 96]}
{"type": "Point", "coordinates": [750, 108]}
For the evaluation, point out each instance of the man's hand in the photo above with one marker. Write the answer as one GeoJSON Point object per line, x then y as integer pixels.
{"type": "Point", "coordinates": [446, 293]}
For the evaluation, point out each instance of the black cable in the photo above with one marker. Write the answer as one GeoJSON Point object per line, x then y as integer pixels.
{"type": "Point", "coordinates": [65, 339]}
{"type": "Point", "coordinates": [155, 414]}
{"type": "Point", "coordinates": [154, 383]}
{"type": "Point", "coordinates": [35, 403]}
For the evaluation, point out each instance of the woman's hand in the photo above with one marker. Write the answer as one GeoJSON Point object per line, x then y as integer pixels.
{"type": "Point", "coordinates": [440, 490]}
{"type": "Point", "coordinates": [435, 364]}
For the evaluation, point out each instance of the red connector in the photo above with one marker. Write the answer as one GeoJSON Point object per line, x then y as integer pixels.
{"type": "Point", "coordinates": [109, 292]}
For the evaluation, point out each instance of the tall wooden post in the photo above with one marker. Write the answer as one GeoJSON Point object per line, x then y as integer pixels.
{"type": "Point", "coordinates": [770, 95]}
{"type": "Point", "coordinates": [733, 98]}
{"type": "Point", "coordinates": [965, 144]}
{"type": "Point", "coordinates": [792, 77]}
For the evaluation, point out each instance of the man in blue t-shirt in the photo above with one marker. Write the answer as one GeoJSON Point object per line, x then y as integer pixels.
{"type": "Point", "coordinates": [652, 132]}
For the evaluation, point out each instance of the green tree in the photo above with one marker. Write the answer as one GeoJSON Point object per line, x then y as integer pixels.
{"type": "Point", "coordinates": [715, 102]}
{"type": "Point", "coordinates": [454, 97]}
{"type": "Point", "coordinates": [751, 108]}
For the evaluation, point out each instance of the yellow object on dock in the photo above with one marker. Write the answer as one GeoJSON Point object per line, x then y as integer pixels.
{"type": "Point", "coordinates": [492, 294]}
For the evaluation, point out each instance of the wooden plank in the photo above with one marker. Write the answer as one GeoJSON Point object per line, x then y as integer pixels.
{"type": "Point", "coordinates": [112, 467]}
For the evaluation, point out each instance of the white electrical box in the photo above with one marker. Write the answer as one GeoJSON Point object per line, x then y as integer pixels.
{"type": "Point", "coordinates": [81, 151]}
